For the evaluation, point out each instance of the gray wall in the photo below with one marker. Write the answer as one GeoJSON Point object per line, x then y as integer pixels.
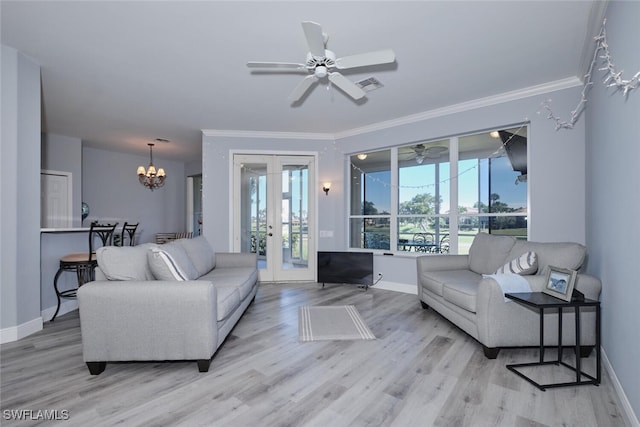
{"type": "Point", "coordinates": [20, 209]}
{"type": "Point", "coordinates": [110, 186]}
{"type": "Point", "coordinates": [193, 168]}
{"type": "Point", "coordinates": [64, 153]}
{"type": "Point", "coordinates": [613, 235]}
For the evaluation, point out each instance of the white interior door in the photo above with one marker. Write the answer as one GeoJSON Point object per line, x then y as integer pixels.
{"type": "Point", "coordinates": [55, 198]}
{"type": "Point", "coordinates": [274, 214]}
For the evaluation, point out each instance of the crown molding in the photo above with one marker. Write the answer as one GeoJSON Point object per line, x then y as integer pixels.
{"type": "Point", "coordinates": [413, 118]}
{"type": "Point", "coordinates": [465, 106]}
{"type": "Point", "coordinates": [267, 134]}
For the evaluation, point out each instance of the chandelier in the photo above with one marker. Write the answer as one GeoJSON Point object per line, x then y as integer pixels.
{"type": "Point", "coordinates": [151, 178]}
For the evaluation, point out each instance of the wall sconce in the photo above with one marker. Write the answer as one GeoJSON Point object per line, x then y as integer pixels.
{"type": "Point", "coordinates": [326, 187]}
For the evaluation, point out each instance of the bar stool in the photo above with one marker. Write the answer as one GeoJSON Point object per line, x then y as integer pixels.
{"type": "Point", "coordinates": [130, 230]}
{"type": "Point", "coordinates": [82, 263]}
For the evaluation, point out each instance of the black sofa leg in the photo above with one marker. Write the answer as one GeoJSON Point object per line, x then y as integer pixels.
{"type": "Point", "coordinates": [424, 305]}
{"type": "Point", "coordinates": [490, 352]}
{"type": "Point", "coordinates": [96, 368]}
{"type": "Point", "coordinates": [203, 365]}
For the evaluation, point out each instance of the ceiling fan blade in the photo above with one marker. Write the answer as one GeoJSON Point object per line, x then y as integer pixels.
{"type": "Point", "coordinates": [346, 85]}
{"type": "Point", "coordinates": [315, 39]}
{"type": "Point", "coordinates": [286, 65]}
{"type": "Point", "coordinates": [384, 56]}
{"type": "Point", "coordinates": [302, 88]}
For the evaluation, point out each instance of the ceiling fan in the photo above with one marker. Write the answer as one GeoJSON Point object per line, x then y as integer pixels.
{"type": "Point", "coordinates": [322, 63]}
{"type": "Point", "coordinates": [419, 152]}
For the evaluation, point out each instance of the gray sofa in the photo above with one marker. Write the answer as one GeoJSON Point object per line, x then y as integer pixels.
{"type": "Point", "coordinates": [457, 287]}
{"type": "Point", "coordinates": [176, 301]}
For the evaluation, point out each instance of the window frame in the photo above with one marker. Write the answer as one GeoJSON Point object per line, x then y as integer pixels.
{"type": "Point", "coordinates": [453, 216]}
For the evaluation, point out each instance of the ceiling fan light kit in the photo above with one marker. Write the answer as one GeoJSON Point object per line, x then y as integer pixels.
{"type": "Point", "coordinates": [321, 63]}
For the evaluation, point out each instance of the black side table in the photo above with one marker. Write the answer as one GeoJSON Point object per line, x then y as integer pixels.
{"type": "Point", "coordinates": [541, 301]}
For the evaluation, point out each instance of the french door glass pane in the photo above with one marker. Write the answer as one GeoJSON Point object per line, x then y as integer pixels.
{"type": "Point", "coordinates": [253, 227]}
{"type": "Point", "coordinates": [295, 209]}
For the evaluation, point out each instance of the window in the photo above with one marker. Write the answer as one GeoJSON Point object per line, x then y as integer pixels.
{"type": "Point", "coordinates": [423, 196]}
{"type": "Point", "coordinates": [370, 219]}
{"type": "Point", "coordinates": [401, 197]}
{"type": "Point", "coordinates": [492, 186]}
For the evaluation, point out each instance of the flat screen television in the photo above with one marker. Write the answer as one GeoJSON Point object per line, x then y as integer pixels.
{"type": "Point", "coordinates": [355, 268]}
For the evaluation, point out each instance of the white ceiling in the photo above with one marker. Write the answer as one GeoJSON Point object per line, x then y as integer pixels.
{"type": "Point", "coordinates": [119, 74]}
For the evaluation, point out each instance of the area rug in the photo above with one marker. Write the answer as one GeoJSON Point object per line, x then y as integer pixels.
{"type": "Point", "coordinates": [341, 322]}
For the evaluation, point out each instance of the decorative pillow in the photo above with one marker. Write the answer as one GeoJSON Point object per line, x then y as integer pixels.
{"type": "Point", "coordinates": [527, 263]}
{"type": "Point", "coordinates": [126, 262]}
{"type": "Point", "coordinates": [170, 262]}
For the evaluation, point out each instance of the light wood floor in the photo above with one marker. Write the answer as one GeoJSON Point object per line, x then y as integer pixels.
{"type": "Point", "coordinates": [421, 371]}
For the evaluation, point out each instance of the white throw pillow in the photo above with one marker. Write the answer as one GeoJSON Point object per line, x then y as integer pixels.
{"type": "Point", "coordinates": [170, 262]}
{"type": "Point", "coordinates": [527, 263]}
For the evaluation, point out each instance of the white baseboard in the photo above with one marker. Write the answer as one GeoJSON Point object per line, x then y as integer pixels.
{"type": "Point", "coordinates": [65, 307]}
{"type": "Point", "coordinates": [627, 411]}
{"type": "Point", "coordinates": [398, 287]}
{"type": "Point", "coordinates": [14, 333]}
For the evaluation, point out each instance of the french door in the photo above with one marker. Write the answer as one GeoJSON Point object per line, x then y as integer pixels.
{"type": "Point", "coordinates": [274, 214]}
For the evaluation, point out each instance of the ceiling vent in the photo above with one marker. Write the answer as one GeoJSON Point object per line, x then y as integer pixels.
{"type": "Point", "coordinates": [369, 84]}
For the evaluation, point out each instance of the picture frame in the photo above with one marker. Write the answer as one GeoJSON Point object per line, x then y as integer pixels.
{"type": "Point", "coordinates": [560, 283]}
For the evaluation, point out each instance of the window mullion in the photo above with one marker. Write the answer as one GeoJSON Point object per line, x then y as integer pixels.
{"type": "Point", "coordinates": [393, 221]}
{"type": "Point", "coordinates": [453, 195]}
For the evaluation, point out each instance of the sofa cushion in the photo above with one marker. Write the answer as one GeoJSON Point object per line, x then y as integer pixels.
{"type": "Point", "coordinates": [242, 278]}
{"type": "Point", "coordinates": [488, 252]}
{"type": "Point", "coordinates": [125, 263]}
{"type": "Point", "coordinates": [462, 294]}
{"type": "Point", "coordinates": [435, 281]}
{"type": "Point", "coordinates": [170, 262]}
{"type": "Point", "coordinates": [567, 255]}
{"type": "Point", "coordinates": [525, 264]}
{"type": "Point", "coordinates": [228, 301]}
{"type": "Point", "coordinates": [200, 253]}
